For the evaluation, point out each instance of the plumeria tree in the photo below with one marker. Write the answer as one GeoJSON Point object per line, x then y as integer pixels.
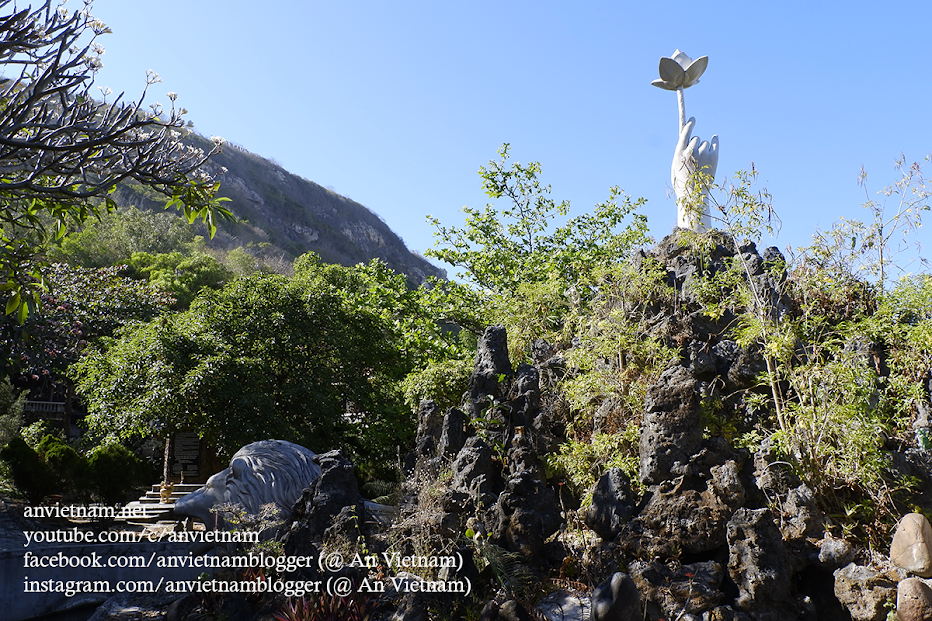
{"type": "Point", "coordinates": [64, 146]}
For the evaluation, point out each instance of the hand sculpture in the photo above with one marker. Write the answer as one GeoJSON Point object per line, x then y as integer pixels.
{"type": "Point", "coordinates": [690, 156]}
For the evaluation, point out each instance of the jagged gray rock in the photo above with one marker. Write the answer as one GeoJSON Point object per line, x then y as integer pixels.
{"type": "Point", "coordinates": [864, 592]}
{"type": "Point", "coordinates": [616, 599]}
{"type": "Point", "coordinates": [324, 500]}
{"type": "Point", "coordinates": [690, 514]}
{"type": "Point", "coordinates": [759, 566]}
{"type": "Point", "coordinates": [673, 590]}
{"type": "Point", "coordinates": [453, 433]}
{"type": "Point", "coordinates": [429, 425]}
{"type": "Point", "coordinates": [527, 514]}
{"type": "Point", "coordinates": [672, 430]}
{"type": "Point", "coordinates": [612, 504]}
{"type": "Point", "coordinates": [834, 552]}
{"type": "Point", "coordinates": [476, 474]}
{"type": "Point", "coordinates": [492, 363]}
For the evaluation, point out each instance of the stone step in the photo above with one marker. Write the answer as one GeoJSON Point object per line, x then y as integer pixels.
{"type": "Point", "coordinates": [152, 507]}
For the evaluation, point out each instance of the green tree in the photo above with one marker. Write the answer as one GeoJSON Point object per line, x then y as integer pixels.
{"type": "Point", "coordinates": [112, 239]}
{"type": "Point", "coordinates": [500, 250]}
{"type": "Point", "coordinates": [519, 268]}
{"type": "Point", "coordinates": [264, 357]}
{"type": "Point", "coordinates": [80, 306]}
{"type": "Point", "coordinates": [62, 152]}
{"type": "Point", "coordinates": [182, 276]}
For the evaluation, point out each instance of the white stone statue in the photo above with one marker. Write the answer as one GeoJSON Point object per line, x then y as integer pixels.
{"type": "Point", "coordinates": [691, 154]}
{"type": "Point", "coordinates": [270, 471]}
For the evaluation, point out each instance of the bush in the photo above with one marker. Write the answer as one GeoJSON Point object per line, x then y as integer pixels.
{"type": "Point", "coordinates": [31, 475]}
{"type": "Point", "coordinates": [11, 412]}
{"type": "Point", "coordinates": [444, 382]}
{"type": "Point", "coordinates": [114, 471]}
{"type": "Point", "coordinates": [68, 466]}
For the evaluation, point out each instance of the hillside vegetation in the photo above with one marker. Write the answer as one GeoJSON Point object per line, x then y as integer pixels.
{"type": "Point", "coordinates": [280, 216]}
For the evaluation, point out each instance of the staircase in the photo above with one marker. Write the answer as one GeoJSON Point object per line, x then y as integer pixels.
{"type": "Point", "coordinates": [150, 509]}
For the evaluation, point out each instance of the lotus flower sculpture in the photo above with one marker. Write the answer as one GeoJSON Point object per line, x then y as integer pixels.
{"type": "Point", "coordinates": [691, 155]}
{"type": "Point", "coordinates": [680, 71]}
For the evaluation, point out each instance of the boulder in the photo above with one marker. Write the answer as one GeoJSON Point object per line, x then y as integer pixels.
{"type": "Point", "coordinates": [616, 599]}
{"type": "Point", "coordinates": [913, 600]}
{"type": "Point", "coordinates": [864, 592]}
{"type": "Point", "coordinates": [911, 548]}
{"type": "Point", "coordinates": [612, 504]}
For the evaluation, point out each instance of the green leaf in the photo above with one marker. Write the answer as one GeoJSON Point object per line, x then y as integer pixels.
{"type": "Point", "coordinates": [13, 303]}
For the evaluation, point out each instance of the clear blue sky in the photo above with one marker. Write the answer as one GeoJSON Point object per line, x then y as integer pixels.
{"type": "Point", "coordinates": [397, 104]}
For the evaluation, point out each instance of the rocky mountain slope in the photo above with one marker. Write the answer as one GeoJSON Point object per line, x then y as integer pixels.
{"type": "Point", "coordinates": [282, 216]}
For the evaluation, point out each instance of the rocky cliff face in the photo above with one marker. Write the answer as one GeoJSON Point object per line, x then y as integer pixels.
{"type": "Point", "coordinates": [284, 216]}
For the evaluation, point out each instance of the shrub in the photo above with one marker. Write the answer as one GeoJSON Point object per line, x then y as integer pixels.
{"type": "Point", "coordinates": [114, 471]}
{"type": "Point", "coordinates": [31, 475]}
{"type": "Point", "coordinates": [67, 465]}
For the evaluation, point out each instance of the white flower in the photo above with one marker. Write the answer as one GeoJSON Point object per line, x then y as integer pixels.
{"type": "Point", "coordinates": [217, 140]}
{"type": "Point", "coordinates": [172, 95]}
{"type": "Point", "coordinates": [680, 71]}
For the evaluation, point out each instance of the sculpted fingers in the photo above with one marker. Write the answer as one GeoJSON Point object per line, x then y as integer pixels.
{"type": "Point", "coordinates": [685, 133]}
{"type": "Point", "coordinates": [708, 155]}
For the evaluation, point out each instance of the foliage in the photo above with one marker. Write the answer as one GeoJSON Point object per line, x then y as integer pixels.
{"type": "Point", "coordinates": [81, 305]}
{"type": "Point", "coordinates": [11, 411]}
{"type": "Point", "coordinates": [69, 467]}
{"type": "Point", "coordinates": [512, 253]}
{"type": "Point", "coordinates": [874, 245]}
{"type": "Point", "coordinates": [375, 289]}
{"type": "Point", "coordinates": [63, 152]}
{"type": "Point", "coordinates": [443, 381]}
{"type": "Point", "coordinates": [509, 568]}
{"type": "Point", "coordinates": [182, 276]}
{"type": "Point", "coordinates": [117, 235]}
{"type": "Point", "coordinates": [30, 474]}
{"type": "Point", "coordinates": [845, 364]}
{"type": "Point", "coordinates": [619, 353]}
{"type": "Point", "coordinates": [584, 461]}
{"type": "Point", "coordinates": [114, 471]}
{"type": "Point", "coordinates": [266, 356]}
{"type": "Point", "coordinates": [501, 250]}
{"type": "Point", "coordinates": [325, 607]}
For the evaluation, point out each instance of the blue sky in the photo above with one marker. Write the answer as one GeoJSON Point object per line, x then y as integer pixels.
{"type": "Point", "coordinates": [397, 104]}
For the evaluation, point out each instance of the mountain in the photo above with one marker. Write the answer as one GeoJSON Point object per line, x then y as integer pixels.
{"type": "Point", "coordinates": [281, 216]}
